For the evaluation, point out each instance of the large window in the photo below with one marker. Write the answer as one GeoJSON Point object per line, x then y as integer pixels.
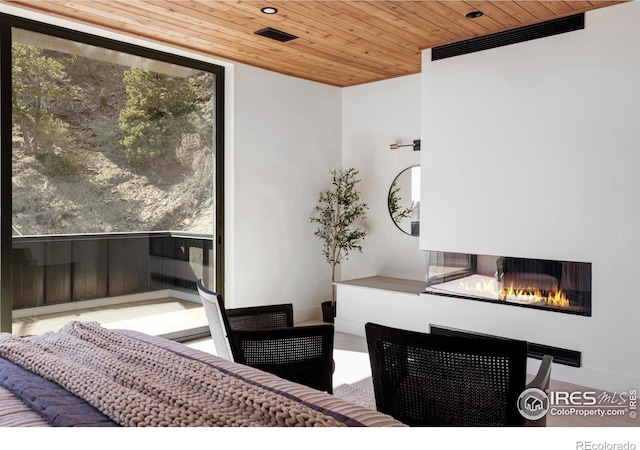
{"type": "Point", "coordinates": [115, 174]}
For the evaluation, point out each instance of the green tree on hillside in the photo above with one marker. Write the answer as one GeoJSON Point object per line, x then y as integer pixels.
{"type": "Point", "coordinates": [36, 83]}
{"type": "Point", "coordinates": [160, 109]}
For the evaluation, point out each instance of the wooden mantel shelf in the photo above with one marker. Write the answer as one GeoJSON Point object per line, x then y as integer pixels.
{"type": "Point", "coordinates": [388, 284]}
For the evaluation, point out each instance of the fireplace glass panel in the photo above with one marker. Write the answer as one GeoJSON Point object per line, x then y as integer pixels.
{"type": "Point", "coordinates": [562, 286]}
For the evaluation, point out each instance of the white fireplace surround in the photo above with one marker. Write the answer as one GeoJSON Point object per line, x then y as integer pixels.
{"type": "Point", "coordinates": [531, 150]}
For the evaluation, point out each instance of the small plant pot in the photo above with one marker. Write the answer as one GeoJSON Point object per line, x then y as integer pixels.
{"type": "Point", "coordinates": [328, 311]}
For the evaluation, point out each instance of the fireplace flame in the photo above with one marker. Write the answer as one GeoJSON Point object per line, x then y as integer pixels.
{"type": "Point", "coordinates": [557, 298]}
{"type": "Point", "coordinates": [516, 293]}
{"type": "Point", "coordinates": [480, 286]}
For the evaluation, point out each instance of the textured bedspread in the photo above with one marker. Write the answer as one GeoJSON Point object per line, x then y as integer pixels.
{"type": "Point", "coordinates": [56, 405]}
{"type": "Point", "coordinates": [139, 383]}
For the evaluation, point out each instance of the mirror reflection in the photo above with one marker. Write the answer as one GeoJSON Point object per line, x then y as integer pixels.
{"type": "Point", "coordinates": [404, 201]}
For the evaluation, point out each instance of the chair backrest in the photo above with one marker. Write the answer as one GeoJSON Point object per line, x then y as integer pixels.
{"type": "Point", "coordinates": [431, 380]}
{"type": "Point", "coordinates": [300, 354]}
{"type": "Point", "coordinates": [255, 317]}
{"type": "Point", "coordinates": [216, 317]}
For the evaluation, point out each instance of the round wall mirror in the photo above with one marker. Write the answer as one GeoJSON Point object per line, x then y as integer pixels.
{"type": "Point", "coordinates": [404, 201]}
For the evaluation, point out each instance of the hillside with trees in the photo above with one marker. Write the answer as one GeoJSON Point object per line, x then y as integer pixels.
{"type": "Point", "coordinates": [99, 147]}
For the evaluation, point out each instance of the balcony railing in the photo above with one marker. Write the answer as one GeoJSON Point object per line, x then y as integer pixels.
{"type": "Point", "coordinates": [57, 269]}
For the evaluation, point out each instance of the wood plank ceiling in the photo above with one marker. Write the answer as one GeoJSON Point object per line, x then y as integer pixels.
{"type": "Point", "coordinates": [341, 43]}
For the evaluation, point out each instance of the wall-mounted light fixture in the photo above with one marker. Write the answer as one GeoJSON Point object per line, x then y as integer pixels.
{"type": "Point", "coordinates": [415, 145]}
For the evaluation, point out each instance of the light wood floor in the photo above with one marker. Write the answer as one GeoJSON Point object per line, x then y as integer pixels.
{"type": "Point", "coordinates": [166, 316]}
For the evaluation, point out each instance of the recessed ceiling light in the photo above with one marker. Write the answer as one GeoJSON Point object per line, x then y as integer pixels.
{"type": "Point", "coordinates": [473, 14]}
{"type": "Point", "coordinates": [268, 10]}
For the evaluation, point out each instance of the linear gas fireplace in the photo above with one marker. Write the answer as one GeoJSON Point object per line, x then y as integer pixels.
{"type": "Point", "coordinates": [561, 286]}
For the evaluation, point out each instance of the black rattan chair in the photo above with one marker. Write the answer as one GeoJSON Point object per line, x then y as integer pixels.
{"type": "Point", "coordinates": [433, 380]}
{"type": "Point", "coordinates": [264, 337]}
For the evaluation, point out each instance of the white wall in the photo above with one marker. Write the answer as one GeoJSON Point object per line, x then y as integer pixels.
{"type": "Point", "coordinates": [535, 154]}
{"type": "Point", "coordinates": [375, 115]}
{"type": "Point", "coordinates": [289, 133]}
{"type": "Point", "coordinates": [286, 140]}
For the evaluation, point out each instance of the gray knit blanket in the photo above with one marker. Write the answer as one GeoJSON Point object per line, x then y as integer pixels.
{"type": "Point", "coordinates": [135, 383]}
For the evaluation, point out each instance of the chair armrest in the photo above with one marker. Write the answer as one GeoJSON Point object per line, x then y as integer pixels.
{"type": "Point", "coordinates": [540, 381]}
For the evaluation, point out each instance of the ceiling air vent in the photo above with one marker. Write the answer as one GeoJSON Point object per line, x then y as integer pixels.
{"type": "Point", "coordinates": [526, 33]}
{"type": "Point", "coordinates": [277, 35]}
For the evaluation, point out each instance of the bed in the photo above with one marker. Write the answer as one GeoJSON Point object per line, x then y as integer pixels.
{"type": "Point", "coordinates": [85, 375]}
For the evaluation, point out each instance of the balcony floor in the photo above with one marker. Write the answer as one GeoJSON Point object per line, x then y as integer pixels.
{"type": "Point", "coordinates": [158, 317]}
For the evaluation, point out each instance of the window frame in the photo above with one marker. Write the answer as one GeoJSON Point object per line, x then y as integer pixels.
{"type": "Point", "coordinates": [7, 23]}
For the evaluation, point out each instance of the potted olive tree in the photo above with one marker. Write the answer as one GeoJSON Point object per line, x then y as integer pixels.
{"type": "Point", "coordinates": [338, 208]}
